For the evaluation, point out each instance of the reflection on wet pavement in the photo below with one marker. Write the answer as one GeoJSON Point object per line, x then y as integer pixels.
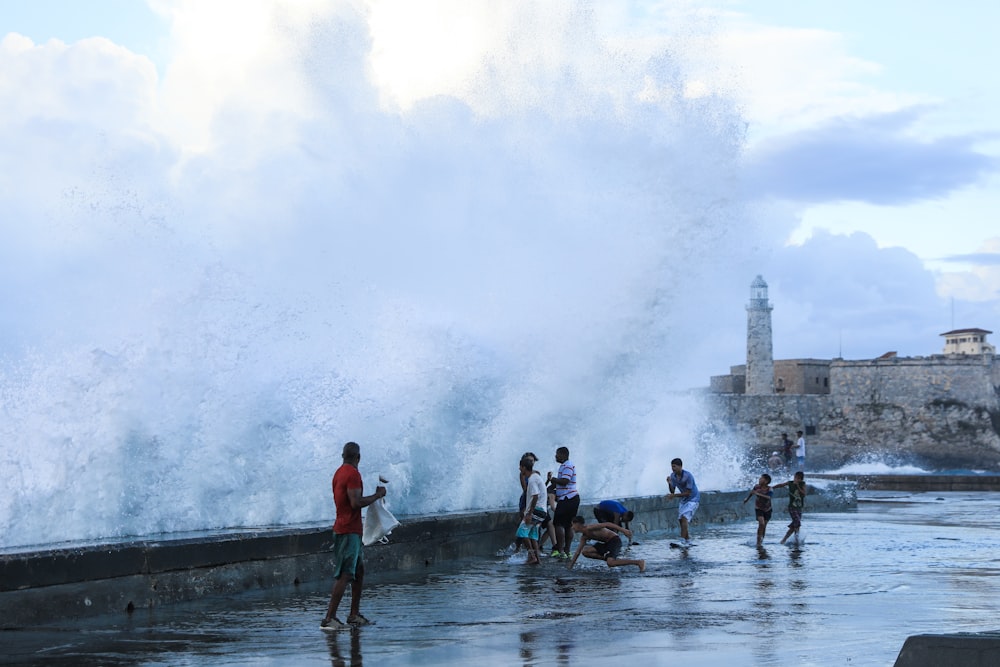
{"type": "Point", "coordinates": [851, 594]}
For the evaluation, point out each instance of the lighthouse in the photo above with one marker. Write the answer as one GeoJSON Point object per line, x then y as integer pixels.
{"type": "Point", "coordinates": [760, 355]}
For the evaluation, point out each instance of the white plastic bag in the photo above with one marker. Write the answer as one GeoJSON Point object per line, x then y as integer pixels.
{"type": "Point", "coordinates": [379, 522]}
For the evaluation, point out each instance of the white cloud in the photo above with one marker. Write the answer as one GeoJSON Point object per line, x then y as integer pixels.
{"type": "Point", "coordinates": [791, 79]}
{"type": "Point", "coordinates": [843, 292]}
{"type": "Point", "coordinates": [78, 138]}
{"type": "Point", "coordinates": [980, 282]}
{"type": "Point", "coordinates": [430, 48]}
{"type": "Point", "coordinates": [784, 79]}
{"type": "Point", "coordinates": [92, 81]}
{"type": "Point", "coordinates": [231, 54]}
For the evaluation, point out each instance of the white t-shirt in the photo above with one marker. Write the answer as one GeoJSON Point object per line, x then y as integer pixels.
{"type": "Point", "coordinates": [800, 448]}
{"type": "Point", "coordinates": [536, 486]}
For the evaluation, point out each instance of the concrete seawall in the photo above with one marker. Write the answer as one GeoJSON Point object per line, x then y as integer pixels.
{"type": "Point", "coordinates": [917, 483]}
{"type": "Point", "coordinates": [120, 577]}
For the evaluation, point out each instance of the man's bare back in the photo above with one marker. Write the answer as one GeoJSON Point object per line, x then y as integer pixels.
{"type": "Point", "coordinates": [609, 544]}
{"type": "Point", "coordinates": [598, 532]}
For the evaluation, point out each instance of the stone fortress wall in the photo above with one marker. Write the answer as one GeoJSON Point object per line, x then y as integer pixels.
{"type": "Point", "coordinates": [939, 412]}
{"type": "Point", "coordinates": [916, 380]}
{"type": "Point", "coordinates": [936, 412]}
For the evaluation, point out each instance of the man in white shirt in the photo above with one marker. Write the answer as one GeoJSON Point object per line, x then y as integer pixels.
{"type": "Point", "coordinates": [800, 450]}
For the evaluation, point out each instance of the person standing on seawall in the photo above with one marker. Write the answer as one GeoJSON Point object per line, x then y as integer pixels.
{"type": "Point", "coordinates": [800, 450]}
{"type": "Point", "coordinates": [349, 566]}
{"type": "Point", "coordinates": [682, 485]}
{"type": "Point", "coordinates": [567, 503]}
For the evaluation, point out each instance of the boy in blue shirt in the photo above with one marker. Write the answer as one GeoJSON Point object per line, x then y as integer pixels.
{"type": "Point", "coordinates": [681, 483]}
{"type": "Point", "coordinates": [613, 511]}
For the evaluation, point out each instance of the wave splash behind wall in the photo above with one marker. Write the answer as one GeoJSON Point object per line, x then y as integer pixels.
{"type": "Point", "coordinates": [449, 286]}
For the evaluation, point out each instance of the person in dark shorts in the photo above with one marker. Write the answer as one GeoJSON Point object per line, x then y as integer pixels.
{"type": "Point", "coordinates": [614, 512]}
{"type": "Point", "coordinates": [607, 544]}
{"type": "Point", "coordinates": [762, 506]}
{"type": "Point", "coordinates": [567, 503]}
{"type": "Point", "coordinates": [796, 503]}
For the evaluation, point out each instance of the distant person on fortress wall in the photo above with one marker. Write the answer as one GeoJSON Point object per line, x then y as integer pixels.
{"type": "Point", "coordinates": [762, 506]}
{"type": "Point", "coordinates": [796, 503]}
{"type": "Point", "coordinates": [800, 450]}
{"type": "Point", "coordinates": [786, 448]}
{"type": "Point", "coordinates": [567, 503]}
{"type": "Point", "coordinates": [607, 545]}
{"type": "Point", "coordinates": [534, 510]}
{"type": "Point", "coordinates": [348, 563]}
{"type": "Point", "coordinates": [612, 511]}
{"type": "Point", "coordinates": [682, 485]}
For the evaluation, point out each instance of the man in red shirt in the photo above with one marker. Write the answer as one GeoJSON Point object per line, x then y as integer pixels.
{"type": "Point", "coordinates": [349, 566]}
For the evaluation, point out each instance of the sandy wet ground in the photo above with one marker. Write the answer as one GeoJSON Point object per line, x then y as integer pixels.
{"type": "Point", "coordinates": [850, 595]}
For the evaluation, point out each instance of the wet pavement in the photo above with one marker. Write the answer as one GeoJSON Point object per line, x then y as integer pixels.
{"type": "Point", "coordinates": [851, 594]}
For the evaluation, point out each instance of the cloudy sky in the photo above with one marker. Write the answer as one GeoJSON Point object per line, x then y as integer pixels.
{"type": "Point", "coordinates": [870, 144]}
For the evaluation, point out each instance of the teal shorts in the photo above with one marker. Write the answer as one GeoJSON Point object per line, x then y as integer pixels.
{"type": "Point", "coordinates": [530, 532]}
{"type": "Point", "coordinates": [347, 556]}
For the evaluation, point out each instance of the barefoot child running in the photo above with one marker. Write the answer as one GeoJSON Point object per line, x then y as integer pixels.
{"type": "Point", "coordinates": [762, 506]}
{"type": "Point", "coordinates": [796, 503]}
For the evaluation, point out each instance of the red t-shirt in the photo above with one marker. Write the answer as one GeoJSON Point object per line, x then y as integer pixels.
{"type": "Point", "coordinates": [348, 518]}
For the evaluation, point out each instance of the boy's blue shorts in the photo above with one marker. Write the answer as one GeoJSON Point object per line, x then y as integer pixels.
{"type": "Point", "coordinates": [529, 532]}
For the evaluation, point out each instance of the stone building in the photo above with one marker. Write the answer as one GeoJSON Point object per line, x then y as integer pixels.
{"type": "Point", "coordinates": [938, 411]}
{"type": "Point", "coordinates": [790, 376]}
{"type": "Point", "coordinates": [967, 341]}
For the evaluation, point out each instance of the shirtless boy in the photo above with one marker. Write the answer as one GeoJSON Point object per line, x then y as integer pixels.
{"type": "Point", "coordinates": [607, 545]}
{"type": "Point", "coordinates": [762, 505]}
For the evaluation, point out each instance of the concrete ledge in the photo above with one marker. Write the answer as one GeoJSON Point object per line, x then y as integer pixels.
{"type": "Point", "coordinates": [959, 650]}
{"type": "Point", "coordinates": [918, 482]}
{"type": "Point", "coordinates": [120, 577]}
